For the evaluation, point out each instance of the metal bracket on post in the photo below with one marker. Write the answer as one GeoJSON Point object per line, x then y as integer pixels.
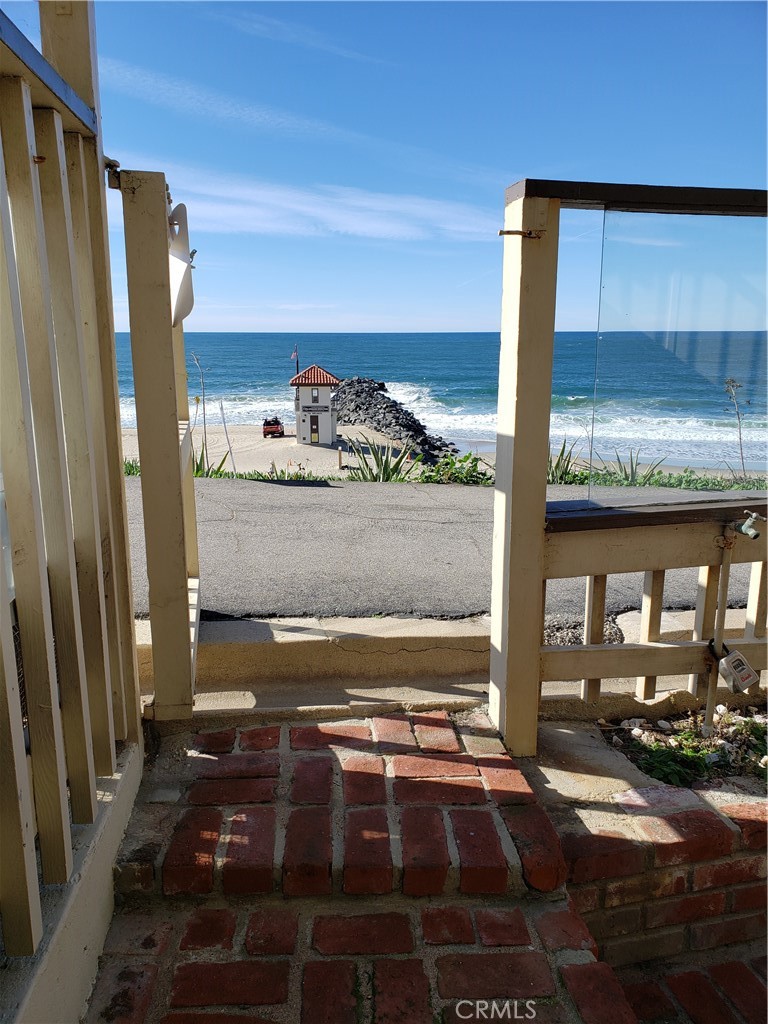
{"type": "Point", "coordinates": [523, 234]}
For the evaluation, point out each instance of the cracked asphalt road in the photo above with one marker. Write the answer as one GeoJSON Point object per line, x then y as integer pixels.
{"type": "Point", "coordinates": [280, 549]}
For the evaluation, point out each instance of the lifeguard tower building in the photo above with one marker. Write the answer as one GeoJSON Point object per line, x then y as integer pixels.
{"type": "Point", "coordinates": [315, 406]}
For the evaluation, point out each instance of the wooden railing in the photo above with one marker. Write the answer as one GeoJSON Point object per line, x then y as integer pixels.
{"type": "Point", "coordinates": [598, 542]}
{"type": "Point", "coordinates": [533, 543]}
{"type": "Point", "coordinates": [69, 599]}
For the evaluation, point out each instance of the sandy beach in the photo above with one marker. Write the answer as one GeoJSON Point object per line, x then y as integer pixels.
{"type": "Point", "coordinates": [251, 451]}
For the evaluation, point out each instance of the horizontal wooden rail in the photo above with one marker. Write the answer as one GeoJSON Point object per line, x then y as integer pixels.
{"type": "Point", "coordinates": [643, 549]}
{"type": "Point", "coordinates": [623, 661]}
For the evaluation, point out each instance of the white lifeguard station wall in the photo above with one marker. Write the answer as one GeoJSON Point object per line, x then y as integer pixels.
{"type": "Point", "coordinates": [315, 406]}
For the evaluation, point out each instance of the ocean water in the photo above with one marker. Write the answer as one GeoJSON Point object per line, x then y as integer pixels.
{"type": "Point", "coordinates": [660, 392]}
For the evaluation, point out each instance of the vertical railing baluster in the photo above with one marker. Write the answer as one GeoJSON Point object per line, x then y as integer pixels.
{"type": "Point", "coordinates": [18, 457]}
{"type": "Point", "coordinates": [704, 619]}
{"type": "Point", "coordinates": [67, 319]}
{"type": "Point", "coordinates": [594, 628]}
{"type": "Point", "coordinates": [650, 624]}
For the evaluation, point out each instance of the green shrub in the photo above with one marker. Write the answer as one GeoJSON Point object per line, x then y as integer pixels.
{"type": "Point", "coordinates": [465, 469]}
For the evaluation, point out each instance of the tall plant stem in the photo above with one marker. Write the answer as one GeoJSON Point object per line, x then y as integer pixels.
{"type": "Point", "coordinates": [202, 392]}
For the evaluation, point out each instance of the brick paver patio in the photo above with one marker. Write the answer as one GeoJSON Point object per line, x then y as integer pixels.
{"type": "Point", "coordinates": [395, 870]}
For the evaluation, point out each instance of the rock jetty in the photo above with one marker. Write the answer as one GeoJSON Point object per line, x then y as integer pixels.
{"type": "Point", "coordinates": [364, 402]}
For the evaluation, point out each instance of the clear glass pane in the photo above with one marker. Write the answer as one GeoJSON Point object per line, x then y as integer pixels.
{"type": "Point", "coordinates": [681, 383]}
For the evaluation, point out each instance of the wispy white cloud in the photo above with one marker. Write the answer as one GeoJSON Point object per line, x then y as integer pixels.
{"type": "Point", "coordinates": [184, 97]}
{"type": "Point", "coordinates": [289, 32]}
{"type": "Point", "coordinates": [232, 204]}
{"type": "Point", "coordinates": [179, 95]}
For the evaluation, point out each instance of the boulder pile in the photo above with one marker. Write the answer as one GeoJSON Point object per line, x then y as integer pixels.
{"type": "Point", "coordinates": [364, 402]}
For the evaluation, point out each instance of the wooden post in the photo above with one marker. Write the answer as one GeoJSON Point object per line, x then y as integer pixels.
{"type": "Point", "coordinates": [145, 211]}
{"type": "Point", "coordinates": [650, 624]}
{"type": "Point", "coordinates": [594, 628]}
{"type": "Point", "coordinates": [69, 42]}
{"type": "Point", "coordinates": [25, 525]}
{"type": "Point", "coordinates": [525, 386]}
{"type": "Point", "coordinates": [704, 620]}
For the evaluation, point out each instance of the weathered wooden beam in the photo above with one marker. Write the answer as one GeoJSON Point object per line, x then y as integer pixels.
{"type": "Point", "coordinates": [525, 385]}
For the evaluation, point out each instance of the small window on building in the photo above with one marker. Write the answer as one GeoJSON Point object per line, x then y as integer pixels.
{"type": "Point", "coordinates": [315, 396]}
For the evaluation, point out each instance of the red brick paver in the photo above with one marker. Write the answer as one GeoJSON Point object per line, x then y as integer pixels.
{"type": "Point", "coordinates": [312, 781]}
{"type": "Point", "coordinates": [746, 992]}
{"type": "Point", "coordinates": [595, 855]}
{"type": "Point", "coordinates": [249, 858]}
{"type": "Point", "coordinates": [564, 929]}
{"type": "Point", "coordinates": [751, 819]}
{"type": "Point", "coordinates": [272, 932]}
{"type": "Point", "coordinates": [505, 781]}
{"type": "Point", "coordinates": [362, 933]}
{"type": "Point", "coordinates": [237, 983]}
{"type": "Point", "coordinates": [209, 929]}
{"type": "Point", "coordinates": [367, 853]}
{"type": "Point", "coordinates": [307, 857]}
{"type": "Point", "coordinates": [538, 846]}
{"type": "Point", "coordinates": [401, 993]}
{"type": "Point", "coordinates": [434, 732]}
{"type": "Point", "coordinates": [687, 836]}
{"type": "Point", "coordinates": [649, 1003]}
{"type": "Point", "coordinates": [425, 851]}
{"type": "Point", "coordinates": [328, 993]}
{"type": "Point", "coordinates": [522, 975]}
{"type": "Point", "coordinates": [433, 766]}
{"type": "Point", "coordinates": [699, 998]}
{"type": "Point", "coordinates": [502, 927]}
{"type": "Point", "coordinates": [439, 791]}
{"type": "Point", "coordinates": [393, 733]}
{"type": "Point", "coordinates": [363, 780]}
{"type": "Point", "coordinates": [219, 742]}
{"type": "Point", "coordinates": [483, 866]}
{"type": "Point", "coordinates": [220, 792]}
{"type": "Point", "coordinates": [261, 738]}
{"type": "Point", "coordinates": [239, 766]}
{"type": "Point", "coordinates": [188, 865]}
{"type": "Point", "coordinates": [597, 994]}
{"type": "Point", "coordinates": [443, 926]}
{"type": "Point", "coordinates": [332, 734]}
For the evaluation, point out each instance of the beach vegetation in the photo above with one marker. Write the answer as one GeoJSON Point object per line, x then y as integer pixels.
{"type": "Point", "coordinates": [564, 467]}
{"type": "Point", "coordinates": [387, 465]}
{"type": "Point", "coordinates": [630, 472]}
{"type": "Point", "coordinates": [731, 389]}
{"type": "Point", "coordinates": [131, 467]}
{"type": "Point", "coordinates": [463, 469]}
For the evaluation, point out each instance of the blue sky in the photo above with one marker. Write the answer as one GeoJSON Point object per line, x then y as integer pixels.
{"type": "Point", "coordinates": [344, 164]}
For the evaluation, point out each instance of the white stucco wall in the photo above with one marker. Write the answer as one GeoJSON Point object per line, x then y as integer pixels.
{"type": "Point", "coordinates": [326, 419]}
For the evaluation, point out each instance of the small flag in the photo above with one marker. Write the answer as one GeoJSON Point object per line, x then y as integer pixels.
{"type": "Point", "coordinates": [295, 353]}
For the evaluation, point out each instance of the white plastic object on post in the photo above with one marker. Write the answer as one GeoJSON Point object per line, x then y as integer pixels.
{"type": "Point", "coordinates": [180, 263]}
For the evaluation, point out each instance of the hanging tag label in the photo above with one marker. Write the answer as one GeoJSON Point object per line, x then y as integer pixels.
{"type": "Point", "coordinates": [737, 672]}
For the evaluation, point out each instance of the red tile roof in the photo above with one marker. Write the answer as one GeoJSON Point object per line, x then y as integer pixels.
{"type": "Point", "coordinates": [313, 375]}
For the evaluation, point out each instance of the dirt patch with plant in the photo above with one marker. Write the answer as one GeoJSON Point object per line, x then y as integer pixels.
{"type": "Point", "coordinates": [675, 750]}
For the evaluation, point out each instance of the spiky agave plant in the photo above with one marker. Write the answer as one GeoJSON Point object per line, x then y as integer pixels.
{"type": "Point", "coordinates": [386, 468]}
